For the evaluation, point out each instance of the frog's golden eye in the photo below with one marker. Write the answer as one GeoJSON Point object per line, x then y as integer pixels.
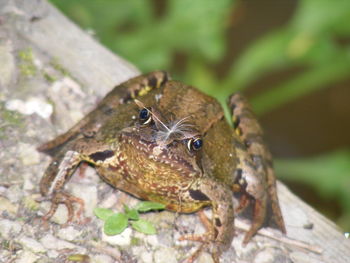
{"type": "Point", "coordinates": [194, 144]}
{"type": "Point", "coordinates": [145, 116]}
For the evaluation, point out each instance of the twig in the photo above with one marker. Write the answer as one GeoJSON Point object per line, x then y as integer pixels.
{"type": "Point", "coordinates": [284, 239]}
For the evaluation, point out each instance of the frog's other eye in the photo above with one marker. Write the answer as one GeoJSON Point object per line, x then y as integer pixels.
{"type": "Point", "coordinates": [145, 116]}
{"type": "Point", "coordinates": [194, 144]}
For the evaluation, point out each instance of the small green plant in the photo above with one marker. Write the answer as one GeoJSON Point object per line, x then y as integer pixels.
{"type": "Point", "coordinates": [116, 223]}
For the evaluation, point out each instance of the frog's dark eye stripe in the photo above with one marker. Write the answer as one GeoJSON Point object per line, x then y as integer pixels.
{"type": "Point", "coordinates": [198, 195]}
{"type": "Point", "coordinates": [194, 144]}
{"type": "Point", "coordinates": [145, 116]}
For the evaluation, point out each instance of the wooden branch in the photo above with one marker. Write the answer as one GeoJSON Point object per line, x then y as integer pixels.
{"type": "Point", "coordinates": [51, 74]}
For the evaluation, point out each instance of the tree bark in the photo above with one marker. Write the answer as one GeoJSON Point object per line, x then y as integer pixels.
{"type": "Point", "coordinates": [51, 74]}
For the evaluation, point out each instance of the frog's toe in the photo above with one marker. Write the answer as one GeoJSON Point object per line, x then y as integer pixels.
{"type": "Point", "coordinates": [207, 241]}
{"type": "Point", "coordinates": [259, 214]}
{"type": "Point", "coordinates": [206, 245]}
{"type": "Point", "coordinates": [195, 255]}
{"type": "Point", "coordinates": [67, 200]}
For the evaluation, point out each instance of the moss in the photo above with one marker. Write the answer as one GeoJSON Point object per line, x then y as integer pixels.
{"type": "Point", "coordinates": [26, 65]}
{"type": "Point", "coordinates": [26, 55]}
{"type": "Point", "coordinates": [56, 65]}
{"type": "Point", "coordinates": [9, 118]}
{"type": "Point", "coordinates": [28, 70]}
{"type": "Point", "coordinates": [135, 241]}
{"type": "Point", "coordinates": [31, 204]}
{"type": "Point", "coordinates": [49, 77]}
{"type": "Point", "coordinates": [60, 69]}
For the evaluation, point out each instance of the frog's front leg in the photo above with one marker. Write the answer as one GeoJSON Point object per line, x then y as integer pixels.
{"type": "Point", "coordinates": [51, 185]}
{"type": "Point", "coordinates": [220, 229]}
{"type": "Point", "coordinates": [60, 171]}
{"type": "Point", "coordinates": [254, 175]}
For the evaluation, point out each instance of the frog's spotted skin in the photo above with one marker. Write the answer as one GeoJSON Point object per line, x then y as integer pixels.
{"type": "Point", "coordinates": [163, 141]}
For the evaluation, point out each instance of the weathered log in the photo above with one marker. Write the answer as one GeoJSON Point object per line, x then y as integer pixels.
{"type": "Point", "coordinates": [52, 73]}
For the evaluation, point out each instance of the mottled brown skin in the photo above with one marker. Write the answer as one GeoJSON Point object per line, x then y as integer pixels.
{"type": "Point", "coordinates": [132, 154]}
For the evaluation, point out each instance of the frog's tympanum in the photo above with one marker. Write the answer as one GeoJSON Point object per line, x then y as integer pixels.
{"type": "Point", "coordinates": [163, 141]}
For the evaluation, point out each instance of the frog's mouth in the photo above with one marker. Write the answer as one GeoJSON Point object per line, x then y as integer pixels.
{"type": "Point", "coordinates": [152, 163]}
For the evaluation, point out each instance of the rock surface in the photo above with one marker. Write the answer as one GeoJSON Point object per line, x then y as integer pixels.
{"type": "Point", "coordinates": [47, 82]}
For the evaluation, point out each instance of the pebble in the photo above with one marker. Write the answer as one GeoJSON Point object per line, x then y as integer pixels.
{"type": "Point", "coordinates": [28, 154]}
{"type": "Point", "coordinates": [123, 239]}
{"type": "Point", "coordinates": [264, 256]}
{"type": "Point", "coordinates": [51, 242]}
{"type": "Point", "coordinates": [69, 233]}
{"type": "Point", "coordinates": [32, 245]}
{"type": "Point", "coordinates": [243, 250]}
{"type": "Point", "coordinates": [8, 228]}
{"type": "Point", "coordinates": [146, 257]}
{"type": "Point", "coordinates": [109, 202]}
{"type": "Point", "coordinates": [165, 255]}
{"type": "Point", "coordinates": [301, 257]}
{"type": "Point", "coordinates": [30, 106]}
{"type": "Point", "coordinates": [7, 69]}
{"type": "Point", "coordinates": [152, 240]}
{"type": "Point", "coordinates": [89, 195]}
{"type": "Point", "coordinates": [102, 259]}
{"type": "Point", "coordinates": [61, 215]}
{"type": "Point", "coordinates": [6, 205]}
{"type": "Point", "coordinates": [52, 254]}
{"type": "Point", "coordinates": [27, 257]}
{"type": "Point", "coordinates": [14, 194]}
{"type": "Point", "coordinates": [28, 185]}
{"type": "Point", "coordinates": [205, 257]}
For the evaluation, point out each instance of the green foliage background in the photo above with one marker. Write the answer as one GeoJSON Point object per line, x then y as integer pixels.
{"type": "Point", "coordinates": [151, 40]}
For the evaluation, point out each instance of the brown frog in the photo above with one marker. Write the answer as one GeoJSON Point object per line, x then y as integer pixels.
{"type": "Point", "coordinates": [163, 141]}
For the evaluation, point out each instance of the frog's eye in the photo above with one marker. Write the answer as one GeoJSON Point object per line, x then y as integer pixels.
{"type": "Point", "coordinates": [145, 116]}
{"type": "Point", "coordinates": [194, 144]}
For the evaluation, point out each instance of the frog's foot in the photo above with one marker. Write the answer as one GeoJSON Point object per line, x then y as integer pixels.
{"type": "Point", "coordinates": [259, 204]}
{"type": "Point", "coordinates": [259, 213]}
{"type": "Point", "coordinates": [68, 200]}
{"type": "Point", "coordinates": [206, 239]}
{"type": "Point", "coordinates": [204, 246]}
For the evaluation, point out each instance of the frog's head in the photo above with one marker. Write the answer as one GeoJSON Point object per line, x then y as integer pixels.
{"type": "Point", "coordinates": [157, 147]}
{"type": "Point", "coordinates": [177, 138]}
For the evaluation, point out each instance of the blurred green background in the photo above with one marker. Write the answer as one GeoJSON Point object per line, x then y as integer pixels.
{"type": "Point", "coordinates": [291, 58]}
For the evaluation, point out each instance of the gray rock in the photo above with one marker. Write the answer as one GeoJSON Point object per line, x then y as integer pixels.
{"type": "Point", "coordinates": [26, 257]}
{"type": "Point", "coordinates": [32, 245]}
{"type": "Point", "coordinates": [7, 69]}
{"type": "Point", "coordinates": [124, 239]}
{"type": "Point", "coordinates": [69, 233]}
{"type": "Point", "coordinates": [8, 228]}
{"type": "Point", "coordinates": [165, 255]}
{"type": "Point", "coordinates": [102, 259]}
{"type": "Point", "coordinates": [51, 242]}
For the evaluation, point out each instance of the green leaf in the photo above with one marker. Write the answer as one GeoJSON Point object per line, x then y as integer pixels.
{"type": "Point", "coordinates": [144, 226]}
{"type": "Point", "coordinates": [102, 213]}
{"type": "Point", "coordinates": [133, 214]}
{"type": "Point", "coordinates": [126, 208]}
{"type": "Point", "coordinates": [146, 206]}
{"type": "Point", "coordinates": [115, 224]}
